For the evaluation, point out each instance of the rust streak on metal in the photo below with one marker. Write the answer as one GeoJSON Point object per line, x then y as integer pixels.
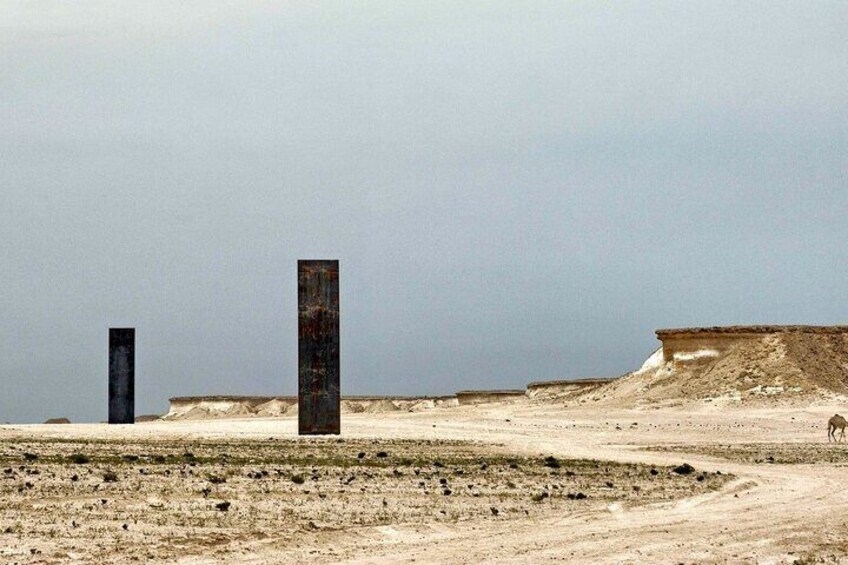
{"type": "Point", "coordinates": [319, 400]}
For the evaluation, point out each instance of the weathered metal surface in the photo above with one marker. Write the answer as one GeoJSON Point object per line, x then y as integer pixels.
{"type": "Point", "coordinates": [319, 405]}
{"type": "Point", "coordinates": [121, 375]}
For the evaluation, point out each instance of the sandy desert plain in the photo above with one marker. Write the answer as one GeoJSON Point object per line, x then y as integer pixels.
{"type": "Point", "coordinates": [736, 477]}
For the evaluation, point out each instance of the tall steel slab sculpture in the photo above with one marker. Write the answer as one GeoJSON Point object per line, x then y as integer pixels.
{"type": "Point", "coordinates": [121, 375]}
{"type": "Point", "coordinates": [319, 406]}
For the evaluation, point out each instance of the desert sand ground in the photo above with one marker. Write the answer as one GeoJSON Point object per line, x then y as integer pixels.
{"type": "Point", "coordinates": [151, 492]}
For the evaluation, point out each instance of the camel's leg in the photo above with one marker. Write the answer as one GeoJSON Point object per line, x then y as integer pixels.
{"type": "Point", "coordinates": [841, 435]}
{"type": "Point", "coordinates": [829, 434]}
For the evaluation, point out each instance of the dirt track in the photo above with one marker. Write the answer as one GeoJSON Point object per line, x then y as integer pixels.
{"type": "Point", "coordinates": [770, 512]}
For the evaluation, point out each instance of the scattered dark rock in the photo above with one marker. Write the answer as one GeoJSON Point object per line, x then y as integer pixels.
{"type": "Point", "coordinates": [223, 506]}
{"type": "Point", "coordinates": [684, 469]}
{"type": "Point", "coordinates": [539, 497]}
{"type": "Point", "coordinates": [552, 462]}
{"type": "Point", "coordinates": [80, 459]}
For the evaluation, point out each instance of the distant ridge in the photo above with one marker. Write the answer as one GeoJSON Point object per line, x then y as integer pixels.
{"type": "Point", "coordinates": [716, 364]}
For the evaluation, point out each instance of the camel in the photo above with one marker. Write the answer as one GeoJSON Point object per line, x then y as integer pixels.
{"type": "Point", "coordinates": [836, 421]}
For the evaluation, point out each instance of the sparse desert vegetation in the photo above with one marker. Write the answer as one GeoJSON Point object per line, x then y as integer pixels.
{"type": "Point", "coordinates": [497, 482]}
{"type": "Point", "coordinates": [768, 453]}
{"type": "Point", "coordinates": [159, 500]}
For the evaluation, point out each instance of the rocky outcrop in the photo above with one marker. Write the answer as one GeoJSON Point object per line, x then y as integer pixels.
{"type": "Point", "coordinates": [218, 407]}
{"type": "Point", "coordinates": [468, 397]}
{"type": "Point", "coordinates": [57, 421]}
{"type": "Point", "coordinates": [565, 390]}
{"type": "Point", "coordinates": [740, 364]}
{"type": "Point", "coordinates": [209, 407]}
{"type": "Point", "coordinates": [695, 345]}
{"type": "Point", "coordinates": [709, 364]}
{"type": "Point", "coordinates": [749, 331]}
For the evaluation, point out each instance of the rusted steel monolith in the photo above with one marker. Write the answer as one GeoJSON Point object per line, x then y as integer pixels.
{"type": "Point", "coordinates": [121, 375]}
{"type": "Point", "coordinates": [319, 406]}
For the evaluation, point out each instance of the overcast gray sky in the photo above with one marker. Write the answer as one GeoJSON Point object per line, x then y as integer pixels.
{"type": "Point", "coordinates": [516, 191]}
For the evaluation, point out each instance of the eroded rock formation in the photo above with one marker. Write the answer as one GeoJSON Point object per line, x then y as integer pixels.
{"type": "Point", "coordinates": [740, 364]}
{"type": "Point", "coordinates": [211, 407]}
